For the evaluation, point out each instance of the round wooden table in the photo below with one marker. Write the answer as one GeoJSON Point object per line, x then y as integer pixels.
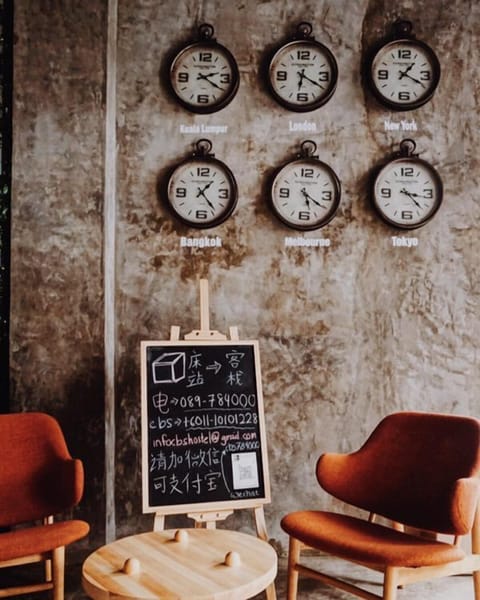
{"type": "Point", "coordinates": [184, 564]}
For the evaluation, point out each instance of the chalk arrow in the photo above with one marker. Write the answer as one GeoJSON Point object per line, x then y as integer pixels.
{"type": "Point", "coordinates": [215, 367]}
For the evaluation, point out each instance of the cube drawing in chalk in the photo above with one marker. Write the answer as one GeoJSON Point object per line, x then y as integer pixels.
{"type": "Point", "coordinates": [169, 367]}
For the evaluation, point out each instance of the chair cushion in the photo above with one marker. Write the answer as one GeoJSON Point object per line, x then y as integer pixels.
{"type": "Point", "coordinates": [370, 543]}
{"type": "Point", "coordinates": [33, 540]}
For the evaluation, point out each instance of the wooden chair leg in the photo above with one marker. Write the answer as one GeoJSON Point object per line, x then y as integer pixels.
{"type": "Point", "coordinates": [390, 584]}
{"type": "Point", "coordinates": [58, 572]}
{"type": "Point", "coordinates": [48, 570]}
{"type": "Point", "coordinates": [476, 584]}
{"type": "Point", "coordinates": [476, 550]}
{"type": "Point", "coordinates": [292, 575]}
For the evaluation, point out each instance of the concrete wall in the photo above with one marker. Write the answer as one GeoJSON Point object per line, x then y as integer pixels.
{"type": "Point", "coordinates": [57, 226]}
{"type": "Point", "coordinates": [347, 333]}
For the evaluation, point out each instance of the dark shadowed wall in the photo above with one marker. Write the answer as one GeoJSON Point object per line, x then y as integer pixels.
{"type": "Point", "coordinates": [348, 332]}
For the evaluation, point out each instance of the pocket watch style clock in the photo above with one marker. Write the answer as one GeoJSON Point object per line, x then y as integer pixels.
{"type": "Point", "coordinates": [305, 192]}
{"type": "Point", "coordinates": [403, 72]}
{"type": "Point", "coordinates": [204, 75]}
{"type": "Point", "coordinates": [303, 73]}
{"type": "Point", "coordinates": [201, 190]}
{"type": "Point", "coordinates": [407, 191]}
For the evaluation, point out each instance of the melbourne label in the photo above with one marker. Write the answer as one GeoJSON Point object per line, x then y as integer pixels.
{"type": "Point", "coordinates": [307, 242]}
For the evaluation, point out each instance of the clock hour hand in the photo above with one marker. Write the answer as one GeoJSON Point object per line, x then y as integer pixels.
{"type": "Point", "coordinates": [402, 74]}
{"type": "Point", "coordinates": [206, 77]}
{"type": "Point", "coordinates": [306, 197]}
{"type": "Point", "coordinates": [201, 192]}
{"type": "Point", "coordinates": [301, 76]}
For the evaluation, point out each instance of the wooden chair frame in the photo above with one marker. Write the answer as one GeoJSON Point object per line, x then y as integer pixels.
{"type": "Point", "coordinates": [54, 566]}
{"type": "Point", "coordinates": [38, 479]}
{"type": "Point", "coordinates": [394, 577]}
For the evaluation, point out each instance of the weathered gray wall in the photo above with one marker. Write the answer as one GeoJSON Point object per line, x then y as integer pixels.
{"type": "Point", "coordinates": [57, 229]}
{"type": "Point", "coordinates": [347, 333]}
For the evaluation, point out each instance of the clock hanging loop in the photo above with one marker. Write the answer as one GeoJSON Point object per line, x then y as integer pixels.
{"type": "Point", "coordinates": [202, 148]}
{"type": "Point", "coordinates": [205, 32]}
{"type": "Point", "coordinates": [403, 28]}
{"type": "Point", "coordinates": [304, 31]}
{"type": "Point", "coordinates": [407, 148]}
{"type": "Point", "coordinates": [308, 149]}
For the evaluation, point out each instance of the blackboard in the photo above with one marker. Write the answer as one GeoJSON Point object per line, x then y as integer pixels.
{"type": "Point", "coordinates": [203, 430]}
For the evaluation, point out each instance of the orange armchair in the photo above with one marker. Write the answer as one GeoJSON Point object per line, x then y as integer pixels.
{"type": "Point", "coordinates": [417, 470]}
{"type": "Point", "coordinates": [38, 478]}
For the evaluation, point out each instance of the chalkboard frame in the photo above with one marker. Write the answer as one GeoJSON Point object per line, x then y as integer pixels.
{"type": "Point", "coordinates": [200, 507]}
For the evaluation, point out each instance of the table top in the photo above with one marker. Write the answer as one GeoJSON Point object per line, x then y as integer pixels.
{"type": "Point", "coordinates": [184, 564]}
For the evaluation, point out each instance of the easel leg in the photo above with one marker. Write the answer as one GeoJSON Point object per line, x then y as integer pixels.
{"type": "Point", "coordinates": [159, 522]}
{"type": "Point", "coordinates": [271, 592]}
{"type": "Point", "coordinates": [260, 523]}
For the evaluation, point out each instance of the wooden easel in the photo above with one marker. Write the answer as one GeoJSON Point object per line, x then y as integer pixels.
{"type": "Point", "coordinates": [208, 519]}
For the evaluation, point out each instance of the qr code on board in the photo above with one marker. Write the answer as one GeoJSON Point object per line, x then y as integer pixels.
{"type": "Point", "coordinates": [245, 470]}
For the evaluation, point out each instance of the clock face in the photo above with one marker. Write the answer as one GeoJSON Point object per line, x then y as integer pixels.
{"type": "Point", "coordinates": [305, 194]}
{"type": "Point", "coordinates": [404, 74]}
{"type": "Point", "coordinates": [204, 77]}
{"type": "Point", "coordinates": [202, 192]}
{"type": "Point", "coordinates": [303, 75]}
{"type": "Point", "coordinates": [407, 192]}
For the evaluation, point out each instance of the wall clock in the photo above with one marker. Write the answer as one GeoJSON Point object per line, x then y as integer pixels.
{"type": "Point", "coordinates": [305, 192]}
{"type": "Point", "coordinates": [403, 72]}
{"type": "Point", "coordinates": [303, 73]}
{"type": "Point", "coordinates": [201, 190]}
{"type": "Point", "coordinates": [407, 191]}
{"type": "Point", "coordinates": [204, 75]}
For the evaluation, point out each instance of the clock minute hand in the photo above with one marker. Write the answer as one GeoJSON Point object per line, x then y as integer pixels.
{"type": "Point", "coordinates": [415, 80]}
{"type": "Point", "coordinates": [202, 193]}
{"type": "Point", "coordinates": [307, 196]}
{"type": "Point", "coordinates": [206, 77]}
{"type": "Point", "coordinates": [402, 74]}
{"type": "Point", "coordinates": [410, 195]}
{"type": "Point", "coordinates": [419, 195]}
{"type": "Point", "coordinates": [312, 81]}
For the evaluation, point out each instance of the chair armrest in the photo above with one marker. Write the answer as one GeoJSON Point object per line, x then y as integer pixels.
{"type": "Point", "coordinates": [464, 502]}
{"type": "Point", "coordinates": [67, 482]}
{"type": "Point", "coordinates": [334, 473]}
